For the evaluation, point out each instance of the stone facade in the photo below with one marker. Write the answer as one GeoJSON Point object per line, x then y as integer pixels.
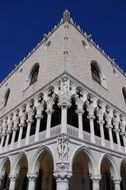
{"type": "Point", "coordinates": [66, 130]}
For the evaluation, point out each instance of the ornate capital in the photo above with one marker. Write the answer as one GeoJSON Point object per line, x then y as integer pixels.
{"type": "Point", "coordinates": [116, 180]}
{"type": "Point", "coordinates": [49, 110]}
{"type": "Point", "coordinates": [91, 117]}
{"type": "Point", "coordinates": [12, 177]}
{"type": "Point", "coordinates": [32, 176]}
{"type": "Point", "coordinates": [95, 178]}
{"type": "Point", "coordinates": [79, 111]}
{"type": "Point", "coordinates": [62, 175]}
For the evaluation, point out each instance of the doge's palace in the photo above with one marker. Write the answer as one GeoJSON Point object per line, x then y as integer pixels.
{"type": "Point", "coordinates": [63, 116]}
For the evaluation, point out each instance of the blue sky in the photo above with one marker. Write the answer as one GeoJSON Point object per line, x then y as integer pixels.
{"type": "Point", "coordinates": [23, 23]}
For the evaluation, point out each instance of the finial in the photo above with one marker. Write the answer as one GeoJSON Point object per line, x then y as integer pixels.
{"type": "Point", "coordinates": [66, 15]}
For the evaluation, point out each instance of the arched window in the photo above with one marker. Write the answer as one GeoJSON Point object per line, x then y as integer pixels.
{"type": "Point", "coordinates": [34, 74]}
{"type": "Point", "coordinates": [95, 71]}
{"type": "Point", "coordinates": [124, 93]}
{"type": "Point", "coordinates": [6, 97]}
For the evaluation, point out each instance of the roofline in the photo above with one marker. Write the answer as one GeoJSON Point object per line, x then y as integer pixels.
{"type": "Point", "coordinates": [66, 18]}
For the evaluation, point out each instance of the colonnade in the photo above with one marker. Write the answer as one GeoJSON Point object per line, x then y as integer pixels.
{"type": "Point", "coordinates": [100, 115]}
{"type": "Point", "coordinates": [84, 175]}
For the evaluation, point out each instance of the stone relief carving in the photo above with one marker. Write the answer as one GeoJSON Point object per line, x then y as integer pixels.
{"type": "Point", "coordinates": [63, 148]}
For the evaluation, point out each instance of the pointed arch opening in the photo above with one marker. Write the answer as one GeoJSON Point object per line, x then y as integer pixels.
{"type": "Point", "coordinates": [44, 166]}
{"type": "Point", "coordinates": [6, 97]}
{"type": "Point", "coordinates": [97, 74]}
{"type": "Point", "coordinates": [34, 74]}
{"type": "Point", "coordinates": [123, 175]}
{"type": "Point", "coordinates": [21, 169]}
{"type": "Point", "coordinates": [124, 93]}
{"type": "Point", "coordinates": [5, 173]}
{"type": "Point", "coordinates": [82, 167]}
{"type": "Point", "coordinates": [107, 169]}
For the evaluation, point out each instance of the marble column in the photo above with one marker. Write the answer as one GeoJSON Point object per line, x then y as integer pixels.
{"type": "Point", "coordinates": [12, 182]}
{"type": "Point", "coordinates": [1, 177]}
{"type": "Point", "coordinates": [118, 140]}
{"type": "Point", "coordinates": [7, 139]}
{"type": "Point", "coordinates": [110, 136]}
{"type": "Point", "coordinates": [102, 132]}
{"type": "Point", "coordinates": [38, 117]}
{"type": "Point", "coordinates": [31, 181]}
{"type": "Point", "coordinates": [80, 123]}
{"type": "Point", "coordinates": [64, 119]}
{"type": "Point", "coordinates": [48, 125]}
{"type": "Point", "coordinates": [28, 132]}
{"type": "Point", "coordinates": [20, 135]}
{"type": "Point", "coordinates": [96, 182]}
{"type": "Point", "coordinates": [62, 184]}
{"type": "Point", "coordinates": [13, 138]}
{"type": "Point", "coordinates": [124, 139]}
{"type": "Point", "coordinates": [91, 120]}
{"type": "Point", "coordinates": [117, 183]}
{"type": "Point", "coordinates": [2, 141]}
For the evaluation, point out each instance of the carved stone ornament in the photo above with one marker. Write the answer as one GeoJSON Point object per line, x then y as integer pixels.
{"type": "Point", "coordinates": [32, 176]}
{"type": "Point", "coordinates": [12, 177]}
{"type": "Point", "coordinates": [65, 85]}
{"type": "Point", "coordinates": [116, 180]}
{"type": "Point", "coordinates": [63, 148]}
{"type": "Point", "coordinates": [95, 178]}
{"type": "Point", "coordinates": [62, 175]}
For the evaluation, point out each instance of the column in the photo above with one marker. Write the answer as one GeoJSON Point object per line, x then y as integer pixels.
{"type": "Point", "coordinates": [64, 119]}
{"type": "Point", "coordinates": [95, 182]}
{"type": "Point", "coordinates": [48, 125]}
{"type": "Point", "coordinates": [1, 177]}
{"type": "Point", "coordinates": [80, 123]}
{"type": "Point", "coordinates": [13, 138]}
{"type": "Point", "coordinates": [28, 132]}
{"type": "Point", "coordinates": [12, 182]}
{"type": "Point", "coordinates": [7, 139]}
{"type": "Point", "coordinates": [2, 141]}
{"type": "Point", "coordinates": [117, 183]}
{"type": "Point", "coordinates": [110, 137]}
{"type": "Point", "coordinates": [124, 140]}
{"type": "Point", "coordinates": [38, 117]}
{"type": "Point", "coordinates": [118, 140]}
{"type": "Point", "coordinates": [102, 133]}
{"type": "Point", "coordinates": [91, 119]}
{"type": "Point", "coordinates": [20, 135]}
{"type": "Point", "coordinates": [31, 181]}
{"type": "Point", "coordinates": [62, 184]}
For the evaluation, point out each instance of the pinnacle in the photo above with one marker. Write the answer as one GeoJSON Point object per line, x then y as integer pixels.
{"type": "Point", "coordinates": [66, 15]}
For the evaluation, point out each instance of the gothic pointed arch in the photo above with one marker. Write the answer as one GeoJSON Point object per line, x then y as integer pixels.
{"type": "Point", "coordinates": [6, 97]}
{"type": "Point", "coordinates": [39, 155]}
{"type": "Point", "coordinates": [83, 164]}
{"type": "Point", "coordinates": [97, 74]}
{"type": "Point", "coordinates": [124, 93]}
{"type": "Point", "coordinates": [33, 76]}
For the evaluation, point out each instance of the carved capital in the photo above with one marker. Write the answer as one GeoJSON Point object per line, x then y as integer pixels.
{"type": "Point", "coordinates": [12, 177]}
{"type": "Point", "coordinates": [95, 178]}
{"type": "Point", "coordinates": [64, 101]}
{"type": "Point", "coordinates": [62, 175]}
{"type": "Point", "coordinates": [116, 180]}
{"type": "Point", "coordinates": [32, 176]}
{"type": "Point", "coordinates": [49, 110]}
{"type": "Point", "coordinates": [79, 111]}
